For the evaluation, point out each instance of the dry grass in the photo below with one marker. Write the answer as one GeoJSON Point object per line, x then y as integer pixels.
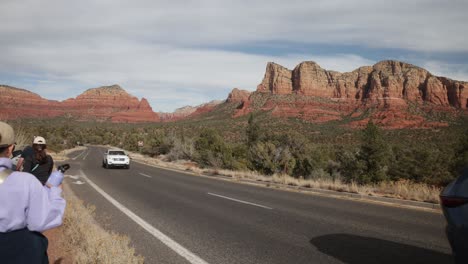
{"type": "Point", "coordinates": [62, 155]}
{"type": "Point", "coordinates": [405, 190]}
{"type": "Point", "coordinates": [21, 138]}
{"type": "Point", "coordinates": [410, 191]}
{"type": "Point", "coordinates": [87, 242]}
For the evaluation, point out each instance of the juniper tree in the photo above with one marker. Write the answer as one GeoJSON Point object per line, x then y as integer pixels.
{"type": "Point", "coordinates": [253, 131]}
{"type": "Point", "coordinates": [461, 154]}
{"type": "Point", "coordinates": [373, 156]}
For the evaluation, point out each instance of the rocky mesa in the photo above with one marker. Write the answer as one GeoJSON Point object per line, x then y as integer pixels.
{"type": "Point", "coordinates": [107, 103]}
{"type": "Point", "coordinates": [391, 93]}
{"type": "Point", "coordinates": [384, 82]}
{"type": "Point", "coordinates": [389, 88]}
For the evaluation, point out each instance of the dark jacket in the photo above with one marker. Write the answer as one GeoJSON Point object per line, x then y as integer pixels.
{"type": "Point", "coordinates": [41, 171]}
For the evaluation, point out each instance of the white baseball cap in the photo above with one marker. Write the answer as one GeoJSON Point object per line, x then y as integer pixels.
{"type": "Point", "coordinates": [39, 141]}
{"type": "Point", "coordinates": [7, 135]}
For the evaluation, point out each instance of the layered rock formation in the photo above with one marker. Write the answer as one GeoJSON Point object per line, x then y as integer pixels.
{"type": "Point", "coordinates": [277, 80]}
{"type": "Point", "coordinates": [313, 93]}
{"type": "Point", "coordinates": [142, 113]}
{"type": "Point", "coordinates": [237, 95]}
{"type": "Point", "coordinates": [189, 111]}
{"type": "Point", "coordinates": [19, 102]}
{"type": "Point", "coordinates": [385, 81]}
{"type": "Point", "coordinates": [393, 94]}
{"type": "Point", "coordinates": [107, 103]}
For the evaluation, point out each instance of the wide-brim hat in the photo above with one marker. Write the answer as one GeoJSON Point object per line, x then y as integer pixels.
{"type": "Point", "coordinates": [7, 135]}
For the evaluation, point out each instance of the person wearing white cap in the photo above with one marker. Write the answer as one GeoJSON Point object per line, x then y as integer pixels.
{"type": "Point", "coordinates": [39, 163]}
{"type": "Point", "coordinates": [27, 208]}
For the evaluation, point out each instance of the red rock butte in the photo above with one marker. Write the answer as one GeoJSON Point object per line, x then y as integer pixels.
{"type": "Point", "coordinates": [312, 93]}
{"type": "Point", "coordinates": [393, 94]}
{"type": "Point", "coordinates": [107, 103]}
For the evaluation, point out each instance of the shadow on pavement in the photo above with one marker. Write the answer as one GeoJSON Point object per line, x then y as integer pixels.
{"type": "Point", "coordinates": [354, 249]}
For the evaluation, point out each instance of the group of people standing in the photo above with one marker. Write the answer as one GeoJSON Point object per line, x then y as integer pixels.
{"type": "Point", "coordinates": [29, 204]}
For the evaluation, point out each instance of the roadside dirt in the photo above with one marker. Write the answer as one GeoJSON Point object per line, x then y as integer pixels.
{"type": "Point", "coordinates": [57, 252]}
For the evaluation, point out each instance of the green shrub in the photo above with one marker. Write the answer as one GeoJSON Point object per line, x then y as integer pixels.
{"type": "Point", "coordinates": [374, 156]}
{"type": "Point", "coordinates": [212, 151]}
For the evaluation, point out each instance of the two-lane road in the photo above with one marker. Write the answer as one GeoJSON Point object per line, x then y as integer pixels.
{"type": "Point", "coordinates": [172, 217]}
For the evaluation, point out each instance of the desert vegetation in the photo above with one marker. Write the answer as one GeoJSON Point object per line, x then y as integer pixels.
{"type": "Point", "coordinates": [258, 143]}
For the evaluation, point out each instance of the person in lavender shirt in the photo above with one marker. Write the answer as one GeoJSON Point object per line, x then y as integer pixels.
{"type": "Point", "coordinates": [27, 208]}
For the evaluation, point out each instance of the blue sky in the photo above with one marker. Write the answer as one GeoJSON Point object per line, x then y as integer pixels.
{"type": "Point", "coordinates": [177, 53]}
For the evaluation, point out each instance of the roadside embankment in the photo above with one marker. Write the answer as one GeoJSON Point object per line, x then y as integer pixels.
{"type": "Point", "coordinates": [81, 240]}
{"type": "Point", "coordinates": [405, 190]}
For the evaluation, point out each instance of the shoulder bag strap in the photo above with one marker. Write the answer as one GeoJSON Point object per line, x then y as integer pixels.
{"type": "Point", "coordinates": [35, 167]}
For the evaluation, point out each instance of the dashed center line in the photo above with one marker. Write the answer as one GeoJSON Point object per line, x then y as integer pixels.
{"type": "Point", "coordinates": [84, 151]}
{"type": "Point", "coordinates": [142, 174]}
{"type": "Point", "coordinates": [87, 153]}
{"type": "Point", "coordinates": [240, 201]}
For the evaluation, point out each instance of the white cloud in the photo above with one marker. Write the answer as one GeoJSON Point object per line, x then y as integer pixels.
{"type": "Point", "coordinates": [440, 68]}
{"type": "Point", "coordinates": [163, 50]}
{"type": "Point", "coordinates": [429, 25]}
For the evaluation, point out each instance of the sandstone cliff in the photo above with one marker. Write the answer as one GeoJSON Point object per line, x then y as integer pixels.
{"type": "Point", "coordinates": [19, 102]}
{"type": "Point", "coordinates": [393, 94]}
{"type": "Point", "coordinates": [383, 83]}
{"type": "Point", "coordinates": [237, 95]}
{"type": "Point", "coordinates": [388, 88]}
{"type": "Point", "coordinates": [107, 103]}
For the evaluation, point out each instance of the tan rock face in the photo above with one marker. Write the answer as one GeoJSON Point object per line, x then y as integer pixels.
{"type": "Point", "coordinates": [103, 103]}
{"type": "Point", "coordinates": [277, 80]}
{"type": "Point", "coordinates": [386, 83]}
{"type": "Point", "coordinates": [309, 78]}
{"type": "Point", "coordinates": [237, 96]}
{"type": "Point", "coordinates": [189, 111]}
{"type": "Point", "coordinates": [390, 87]}
{"type": "Point", "coordinates": [205, 108]}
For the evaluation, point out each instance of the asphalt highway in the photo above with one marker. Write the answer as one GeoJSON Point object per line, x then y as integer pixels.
{"type": "Point", "coordinates": [172, 217]}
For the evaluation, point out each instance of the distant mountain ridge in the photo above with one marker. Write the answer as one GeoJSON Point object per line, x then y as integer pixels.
{"type": "Point", "coordinates": [392, 93]}
{"type": "Point", "coordinates": [106, 103]}
{"type": "Point", "coordinates": [389, 87]}
{"type": "Point", "coordinates": [384, 80]}
{"type": "Point", "coordinates": [189, 111]}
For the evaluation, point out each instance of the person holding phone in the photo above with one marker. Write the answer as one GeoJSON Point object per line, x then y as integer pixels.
{"type": "Point", "coordinates": [40, 164]}
{"type": "Point", "coordinates": [27, 208]}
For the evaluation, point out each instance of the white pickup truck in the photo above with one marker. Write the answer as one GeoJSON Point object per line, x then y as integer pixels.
{"type": "Point", "coordinates": [115, 158]}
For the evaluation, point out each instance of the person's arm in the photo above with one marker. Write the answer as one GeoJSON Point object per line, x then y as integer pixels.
{"type": "Point", "coordinates": [27, 164]}
{"type": "Point", "coordinates": [46, 207]}
{"type": "Point", "coordinates": [51, 160]}
{"type": "Point", "coordinates": [19, 165]}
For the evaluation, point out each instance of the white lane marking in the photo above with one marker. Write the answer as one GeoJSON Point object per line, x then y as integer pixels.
{"type": "Point", "coordinates": [84, 151]}
{"type": "Point", "coordinates": [240, 201]}
{"type": "Point", "coordinates": [72, 176]}
{"type": "Point", "coordinates": [142, 174]}
{"type": "Point", "coordinates": [86, 155]}
{"type": "Point", "coordinates": [183, 252]}
{"type": "Point", "coordinates": [78, 182]}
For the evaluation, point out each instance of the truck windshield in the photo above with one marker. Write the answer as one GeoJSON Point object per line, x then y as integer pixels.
{"type": "Point", "coordinates": [116, 153]}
